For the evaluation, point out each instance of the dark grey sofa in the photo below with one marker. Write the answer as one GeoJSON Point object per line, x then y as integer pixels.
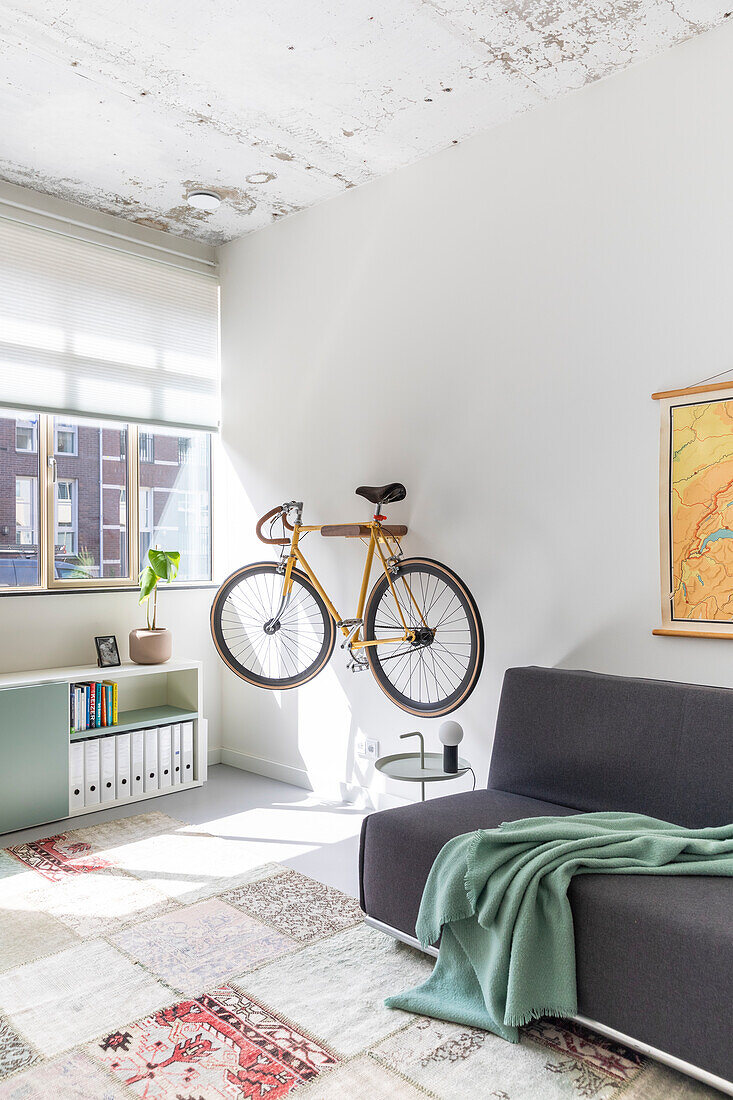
{"type": "Point", "coordinates": [654, 954]}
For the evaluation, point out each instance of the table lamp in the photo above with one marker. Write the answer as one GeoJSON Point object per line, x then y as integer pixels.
{"type": "Point", "coordinates": [451, 735]}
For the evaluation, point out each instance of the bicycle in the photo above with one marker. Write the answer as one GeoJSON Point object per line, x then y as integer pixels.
{"type": "Point", "coordinates": [419, 630]}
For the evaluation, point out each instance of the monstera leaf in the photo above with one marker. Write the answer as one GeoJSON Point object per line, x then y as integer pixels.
{"type": "Point", "coordinates": [164, 563]}
{"type": "Point", "coordinates": [163, 566]}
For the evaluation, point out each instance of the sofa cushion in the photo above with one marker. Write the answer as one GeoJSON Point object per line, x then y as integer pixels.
{"type": "Point", "coordinates": [398, 847]}
{"type": "Point", "coordinates": [654, 959]}
{"type": "Point", "coordinates": [600, 742]}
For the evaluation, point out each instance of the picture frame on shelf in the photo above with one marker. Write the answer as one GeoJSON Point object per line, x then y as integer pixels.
{"type": "Point", "coordinates": [108, 654]}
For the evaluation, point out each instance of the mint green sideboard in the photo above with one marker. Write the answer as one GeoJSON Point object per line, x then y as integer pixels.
{"type": "Point", "coordinates": [34, 755]}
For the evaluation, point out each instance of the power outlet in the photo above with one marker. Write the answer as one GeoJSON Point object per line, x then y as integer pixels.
{"type": "Point", "coordinates": [367, 748]}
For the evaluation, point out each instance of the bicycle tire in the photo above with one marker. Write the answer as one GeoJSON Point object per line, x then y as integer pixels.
{"type": "Point", "coordinates": [238, 615]}
{"type": "Point", "coordinates": [435, 667]}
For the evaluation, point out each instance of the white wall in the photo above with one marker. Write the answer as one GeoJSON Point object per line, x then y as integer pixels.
{"type": "Point", "coordinates": [487, 326]}
{"type": "Point", "coordinates": [55, 630]}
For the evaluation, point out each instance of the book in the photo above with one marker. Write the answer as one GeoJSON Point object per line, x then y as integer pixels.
{"type": "Point", "coordinates": [112, 689]}
{"type": "Point", "coordinates": [98, 705]}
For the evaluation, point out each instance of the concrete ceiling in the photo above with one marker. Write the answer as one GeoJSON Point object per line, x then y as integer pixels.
{"type": "Point", "coordinates": [279, 105]}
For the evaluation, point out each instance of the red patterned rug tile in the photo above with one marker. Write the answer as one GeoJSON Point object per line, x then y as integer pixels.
{"type": "Point", "coordinates": [54, 857]}
{"type": "Point", "coordinates": [220, 1045]}
{"type": "Point", "coordinates": [574, 1041]}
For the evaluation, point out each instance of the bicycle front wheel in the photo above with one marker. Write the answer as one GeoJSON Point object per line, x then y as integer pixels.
{"type": "Point", "coordinates": [437, 671]}
{"type": "Point", "coordinates": [241, 625]}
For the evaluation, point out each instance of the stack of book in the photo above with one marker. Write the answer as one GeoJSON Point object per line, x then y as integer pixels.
{"type": "Point", "coordinates": [93, 705]}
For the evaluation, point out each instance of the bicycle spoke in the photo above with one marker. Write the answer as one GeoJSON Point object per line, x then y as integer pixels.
{"type": "Point", "coordinates": [440, 660]}
{"type": "Point", "coordinates": [288, 652]}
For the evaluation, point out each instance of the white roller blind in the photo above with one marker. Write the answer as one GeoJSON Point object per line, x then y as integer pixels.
{"type": "Point", "coordinates": [95, 331]}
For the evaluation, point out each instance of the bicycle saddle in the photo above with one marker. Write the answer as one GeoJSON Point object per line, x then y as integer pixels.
{"type": "Point", "coordinates": [383, 494]}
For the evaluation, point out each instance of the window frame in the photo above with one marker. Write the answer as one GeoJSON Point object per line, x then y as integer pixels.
{"type": "Point", "coordinates": [34, 509]}
{"type": "Point", "coordinates": [66, 427]}
{"type": "Point", "coordinates": [48, 582]}
{"type": "Point", "coordinates": [27, 423]}
{"type": "Point", "coordinates": [73, 500]}
{"type": "Point", "coordinates": [151, 436]}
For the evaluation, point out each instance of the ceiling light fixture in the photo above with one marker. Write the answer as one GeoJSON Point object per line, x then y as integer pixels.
{"type": "Point", "coordinates": [204, 200]}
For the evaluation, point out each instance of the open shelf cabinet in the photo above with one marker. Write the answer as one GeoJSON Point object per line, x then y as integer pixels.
{"type": "Point", "coordinates": [36, 739]}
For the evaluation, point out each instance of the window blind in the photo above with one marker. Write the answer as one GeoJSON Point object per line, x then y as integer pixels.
{"type": "Point", "coordinates": [95, 331]}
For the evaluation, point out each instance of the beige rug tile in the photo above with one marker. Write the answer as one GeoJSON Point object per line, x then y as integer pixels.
{"type": "Point", "coordinates": [297, 905]}
{"type": "Point", "coordinates": [15, 1051]}
{"type": "Point", "coordinates": [191, 866]}
{"type": "Point", "coordinates": [70, 1077]}
{"type": "Point", "coordinates": [201, 945]}
{"type": "Point", "coordinates": [9, 866]}
{"type": "Point", "coordinates": [98, 904]}
{"type": "Point", "coordinates": [658, 1082]}
{"type": "Point", "coordinates": [364, 1078]}
{"type": "Point", "coordinates": [69, 998]}
{"type": "Point", "coordinates": [29, 934]}
{"type": "Point", "coordinates": [17, 882]}
{"type": "Point", "coordinates": [449, 1058]}
{"type": "Point", "coordinates": [335, 988]}
{"type": "Point", "coordinates": [109, 835]}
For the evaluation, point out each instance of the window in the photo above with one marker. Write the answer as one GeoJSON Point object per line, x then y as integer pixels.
{"type": "Point", "coordinates": [26, 435]}
{"type": "Point", "coordinates": [26, 511]}
{"type": "Point", "coordinates": [67, 532]}
{"type": "Point", "coordinates": [98, 525]}
{"type": "Point", "coordinates": [66, 439]}
{"type": "Point", "coordinates": [174, 500]}
{"type": "Point", "coordinates": [145, 498]}
{"type": "Point", "coordinates": [91, 501]}
{"type": "Point", "coordinates": [19, 501]}
{"type": "Point", "coordinates": [147, 447]}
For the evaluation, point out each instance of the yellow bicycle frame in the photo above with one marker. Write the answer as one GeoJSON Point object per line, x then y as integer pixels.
{"type": "Point", "coordinates": [377, 537]}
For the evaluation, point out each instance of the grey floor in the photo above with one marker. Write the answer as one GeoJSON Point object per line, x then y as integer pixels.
{"type": "Point", "coordinates": [292, 826]}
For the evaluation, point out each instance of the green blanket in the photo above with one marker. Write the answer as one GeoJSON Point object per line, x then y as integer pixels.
{"type": "Point", "coordinates": [499, 896]}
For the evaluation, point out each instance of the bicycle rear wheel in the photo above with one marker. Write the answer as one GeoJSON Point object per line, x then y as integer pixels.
{"type": "Point", "coordinates": [287, 657]}
{"type": "Point", "coordinates": [434, 674]}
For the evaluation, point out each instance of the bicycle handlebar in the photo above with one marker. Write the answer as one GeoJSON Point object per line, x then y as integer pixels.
{"type": "Point", "coordinates": [269, 515]}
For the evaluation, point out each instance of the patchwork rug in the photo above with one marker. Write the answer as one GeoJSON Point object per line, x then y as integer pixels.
{"type": "Point", "coordinates": [145, 958]}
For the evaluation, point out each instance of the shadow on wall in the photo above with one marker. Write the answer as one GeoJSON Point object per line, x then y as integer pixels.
{"type": "Point", "coordinates": [311, 730]}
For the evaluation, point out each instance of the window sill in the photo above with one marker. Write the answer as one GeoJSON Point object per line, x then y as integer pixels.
{"type": "Point", "coordinates": [194, 586]}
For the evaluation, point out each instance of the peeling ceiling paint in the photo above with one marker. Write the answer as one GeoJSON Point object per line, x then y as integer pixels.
{"type": "Point", "coordinates": [280, 105]}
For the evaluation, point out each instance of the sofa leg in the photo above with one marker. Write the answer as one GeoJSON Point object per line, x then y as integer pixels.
{"type": "Point", "coordinates": [609, 1032]}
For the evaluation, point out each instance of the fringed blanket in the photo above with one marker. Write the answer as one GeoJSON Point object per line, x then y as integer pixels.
{"type": "Point", "coordinates": [499, 897]}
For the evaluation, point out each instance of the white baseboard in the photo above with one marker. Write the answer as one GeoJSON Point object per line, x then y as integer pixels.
{"type": "Point", "coordinates": [297, 777]}
{"type": "Point", "coordinates": [323, 785]}
{"type": "Point", "coordinates": [214, 756]}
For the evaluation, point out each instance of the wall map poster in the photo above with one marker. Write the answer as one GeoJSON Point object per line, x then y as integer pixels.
{"type": "Point", "coordinates": [696, 510]}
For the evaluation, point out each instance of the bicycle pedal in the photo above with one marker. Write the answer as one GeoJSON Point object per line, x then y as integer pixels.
{"type": "Point", "coordinates": [348, 623]}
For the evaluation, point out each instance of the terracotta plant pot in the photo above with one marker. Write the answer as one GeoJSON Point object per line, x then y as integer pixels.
{"type": "Point", "coordinates": [150, 647]}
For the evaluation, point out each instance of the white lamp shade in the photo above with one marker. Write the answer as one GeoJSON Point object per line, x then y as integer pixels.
{"type": "Point", "coordinates": [450, 733]}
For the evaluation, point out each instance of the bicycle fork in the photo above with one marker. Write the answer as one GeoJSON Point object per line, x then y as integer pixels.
{"type": "Point", "coordinates": [273, 625]}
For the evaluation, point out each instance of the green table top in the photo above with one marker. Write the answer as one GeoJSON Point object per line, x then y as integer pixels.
{"type": "Point", "coordinates": [406, 765]}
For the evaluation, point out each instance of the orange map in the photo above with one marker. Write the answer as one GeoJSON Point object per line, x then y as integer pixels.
{"type": "Point", "coordinates": [702, 511]}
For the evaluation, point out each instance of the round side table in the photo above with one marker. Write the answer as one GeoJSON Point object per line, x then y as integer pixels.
{"type": "Point", "coordinates": [417, 767]}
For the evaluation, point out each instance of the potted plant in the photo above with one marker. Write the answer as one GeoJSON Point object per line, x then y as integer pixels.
{"type": "Point", "coordinates": [153, 645]}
